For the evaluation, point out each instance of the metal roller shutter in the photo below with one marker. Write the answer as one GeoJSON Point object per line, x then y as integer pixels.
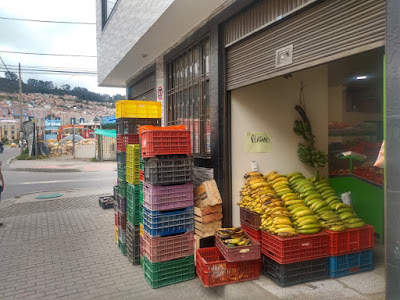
{"type": "Point", "coordinates": [328, 31]}
{"type": "Point", "coordinates": [144, 89]}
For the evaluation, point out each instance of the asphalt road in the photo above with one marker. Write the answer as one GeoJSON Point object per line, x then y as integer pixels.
{"type": "Point", "coordinates": [21, 182]}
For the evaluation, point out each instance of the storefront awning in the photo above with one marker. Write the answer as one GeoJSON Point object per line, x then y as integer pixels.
{"type": "Point", "coordinates": [105, 132]}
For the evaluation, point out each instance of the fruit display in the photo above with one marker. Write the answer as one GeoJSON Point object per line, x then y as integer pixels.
{"type": "Point", "coordinates": [303, 220]}
{"type": "Point", "coordinates": [233, 237]}
{"type": "Point", "coordinates": [322, 199]}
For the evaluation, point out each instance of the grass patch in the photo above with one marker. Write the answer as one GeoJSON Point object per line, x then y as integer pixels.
{"type": "Point", "coordinates": [25, 156]}
{"type": "Point", "coordinates": [94, 159]}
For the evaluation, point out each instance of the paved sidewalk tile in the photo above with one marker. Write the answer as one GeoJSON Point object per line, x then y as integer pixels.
{"type": "Point", "coordinates": [65, 249]}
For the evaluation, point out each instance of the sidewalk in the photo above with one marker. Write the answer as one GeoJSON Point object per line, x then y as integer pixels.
{"type": "Point", "coordinates": [61, 164]}
{"type": "Point", "coordinates": [64, 248]}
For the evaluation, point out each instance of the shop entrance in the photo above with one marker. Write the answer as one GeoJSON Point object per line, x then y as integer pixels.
{"type": "Point", "coordinates": [344, 102]}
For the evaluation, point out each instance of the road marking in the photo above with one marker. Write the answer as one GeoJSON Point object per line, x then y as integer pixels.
{"type": "Point", "coordinates": [59, 181]}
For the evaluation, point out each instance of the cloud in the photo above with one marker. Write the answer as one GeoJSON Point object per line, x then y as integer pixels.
{"type": "Point", "coordinates": [52, 38]}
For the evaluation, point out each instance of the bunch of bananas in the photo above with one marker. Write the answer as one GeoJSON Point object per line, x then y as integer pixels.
{"type": "Point", "coordinates": [255, 192]}
{"type": "Point", "coordinates": [320, 197]}
{"type": "Point", "coordinates": [233, 237]}
{"type": "Point", "coordinates": [303, 219]}
{"type": "Point", "coordinates": [276, 218]}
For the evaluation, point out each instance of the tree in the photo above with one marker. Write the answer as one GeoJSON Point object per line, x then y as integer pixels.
{"type": "Point", "coordinates": [119, 97]}
{"type": "Point", "coordinates": [11, 76]}
{"type": "Point", "coordinates": [66, 87]}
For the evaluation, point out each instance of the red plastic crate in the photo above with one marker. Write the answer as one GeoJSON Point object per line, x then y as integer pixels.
{"type": "Point", "coordinates": [165, 142]}
{"type": "Point", "coordinates": [116, 219]}
{"type": "Point", "coordinates": [167, 248]}
{"type": "Point", "coordinates": [250, 218]}
{"type": "Point", "coordinates": [214, 270]}
{"type": "Point", "coordinates": [239, 253]}
{"type": "Point", "coordinates": [255, 234]}
{"type": "Point", "coordinates": [125, 139]}
{"type": "Point", "coordinates": [351, 240]}
{"type": "Point", "coordinates": [141, 176]}
{"type": "Point", "coordinates": [294, 249]}
{"type": "Point", "coordinates": [121, 220]}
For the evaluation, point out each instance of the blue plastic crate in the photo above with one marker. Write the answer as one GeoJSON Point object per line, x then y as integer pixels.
{"type": "Point", "coordinates": [162, 223]}
{"type": "Point", "coordinates": [351, 263]}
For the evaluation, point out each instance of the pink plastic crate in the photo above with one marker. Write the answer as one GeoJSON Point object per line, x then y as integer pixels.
{"type": "Point", "coordinates": [156, 197]}
{"type": "Point", "coordinates": [167, 248]}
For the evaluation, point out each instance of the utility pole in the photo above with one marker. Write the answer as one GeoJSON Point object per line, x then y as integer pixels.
{"type": "Point", "coordinates": [20, 109]}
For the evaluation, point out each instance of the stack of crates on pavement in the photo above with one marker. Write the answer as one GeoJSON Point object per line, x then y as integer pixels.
{"type": "Point", "coordinates": [130, 115]}
{"type": "Point", "coordinates": [168, 213]}
{"type": "Point", "coordinates": [350, 251]}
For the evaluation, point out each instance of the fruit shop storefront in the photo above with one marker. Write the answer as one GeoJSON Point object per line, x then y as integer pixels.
{"type": "Point", "coordinates": [306, 96]}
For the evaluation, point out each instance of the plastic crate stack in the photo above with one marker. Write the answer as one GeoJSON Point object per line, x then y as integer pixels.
{"type": "Point", "coordinates": [292, 260]}
{"type": "Point", "coordinates": [130, 115]}
{"type": "Point", "coordinates": [350, 251]}
{"type": "Point", "coordinates": [168, 215]}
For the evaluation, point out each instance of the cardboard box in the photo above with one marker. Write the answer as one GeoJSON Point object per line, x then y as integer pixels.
{"type": "Point", "coordinates": [207, 194]}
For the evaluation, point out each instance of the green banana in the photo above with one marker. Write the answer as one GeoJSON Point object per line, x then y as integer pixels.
{"type": "Point", "coordinates": [319, 205]}
{"type": "Point", "coordinates": [342, 205]}
{"type": "Point", "coordinates": [328, 195]}
{"type": "Point", "coordinates": [353, 220]}
{"type": "Point", "coordinates": [309, 231]}
{"type": "Point", "coordinates": [322, 209]}
{"type": "Point", "coordinates": [294, 175]}
{"type": "Point", "coordinates": [299, 209]}
{"type": "Point", "coordinates": [309, 226]}
{"type": "Point", "coordinates": [346, 215]}
{"type": "Point", "coordinates": [356, 225]}
{"type": "Point", "coordinates": [312, 196]}
{"type": "Point", "coordinates": [338, 228]}
{"type": "Point", "coordinates": [328, 200]}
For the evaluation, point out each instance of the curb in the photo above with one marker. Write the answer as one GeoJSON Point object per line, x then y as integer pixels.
{"type": "Point", "coordinates": [47, 170]}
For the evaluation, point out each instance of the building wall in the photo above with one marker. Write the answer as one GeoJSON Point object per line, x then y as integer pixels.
{"type": "Point", "coordinates": [268, 106]}
{"type": "Point", "coordinates": [128, 22]}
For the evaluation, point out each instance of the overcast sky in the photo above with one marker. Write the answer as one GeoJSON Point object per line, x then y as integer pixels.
{"type": "Point", "coordinates": [52, 38]}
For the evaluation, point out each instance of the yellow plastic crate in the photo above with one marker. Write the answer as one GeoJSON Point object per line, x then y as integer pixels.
{"type": "Point", "coordinates": [141, 229]}
{"type": "Point", "coordinates": [138, 109]}
{"type": "Point", "coordinates": [116, 234]}
{"type": "Point", "coordinates": [132, 164]}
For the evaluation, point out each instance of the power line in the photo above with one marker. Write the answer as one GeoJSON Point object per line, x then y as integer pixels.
{"type": "Point", "coordinates": [4, 65]}
{"type": "Point", "coordinates": [48, 21]}
{"type": "Point", "coordinates": [52, 72]}
{"type": "Point", "coordinates": [25, 67]}
{"type": "Point", "coordinates": [47, 54]}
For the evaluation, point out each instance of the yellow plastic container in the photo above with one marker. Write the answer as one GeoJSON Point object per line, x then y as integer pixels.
{"type": "Point", "coordinates": [141, 229]}
{"type": "Point", "coordinates": [132, 164]}
{"type": "Point", "coordinates": [138, 109]}
{"type": "Point", "coordinates": [116, 234]}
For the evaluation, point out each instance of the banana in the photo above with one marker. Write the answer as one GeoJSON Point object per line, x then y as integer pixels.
{"type": "Point", "coordinates": [342, 210]}
{"type": "Point", "coordinates": [312, 196]}
{"type": "Point", "coordinates": [291, 202]}
{"type": "Point", "coordinates": [294, 206]}
{"type": "Point", "coordinates": [328, 195]}
{"type": "Point", "coordinates": [259, 185]}
{"type": "Point", "coordinates": [281, 188]}
{"type": "Point", "coordinates": [321, 185]}
{"type": "Point", "coordinates": [356, 225]}
{"type": "Point", "coordinates": [283, 192]}
{"type": "Point", "coordinates": [342, 205]}
{"type": "Point", "coordinates": [319, 205]}
{"type": "Point", "coordinates": [333, 204]}
{"type": "Point", "coordinates": [353, 220]}
{"type": "Point", "coordinates": [286, 229]}
{"type": "Point", "coordinates": [312, 201]}
{"type": "Point", "coordinates": [294, 175]}
{"type": "Point", "coordinates": [346, 215]}
{"type": "Point", "coordinates": [309, 231]}
{"type": "Point", "coordinates": [307, 189]}
{"type": "Point", "coordinates": [278, 208]}
{"type": "Point", "coordinates": [300, 208]}
{"type": "Point", "coordinates": [308, 217]}
{"type": "Point", "coordinates": [307, 222]}
{"type": "Point", "coordinates": [309, 226]}
{"type": "Point", "coordinates": [274, 176]}
{"type": "Point", "coordinates": [232, 241]}
{"type": "Point", "coordinates": [322, 209]}
{"type": "Point", "coordinates": [290, 197]}
{"type": "Point", "coordinates": [280, 179]}
{"type": "Point", "coordinates": [302, 213]}
{"type": "Point", "coordinates": [337, 228]}
{"type": "Point", "coordinates": [325, 189]}
{"type": "Point", "coordinates": [330, 199]}
{"type": "Point", "coordinates": [279, 226]}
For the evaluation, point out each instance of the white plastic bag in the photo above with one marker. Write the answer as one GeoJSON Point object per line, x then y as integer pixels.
{"type": "Point", "coordinates": [346, 199]}
{"type": "Point", "coordinates": [380, 161]}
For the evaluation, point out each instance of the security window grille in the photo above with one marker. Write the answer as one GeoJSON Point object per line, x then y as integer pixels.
{"type": "Point", "coordinates": [188, 94]}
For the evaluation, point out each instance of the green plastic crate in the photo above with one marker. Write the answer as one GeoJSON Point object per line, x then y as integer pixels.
{"type": "Point", "coordinates": [170, 272]}
{"type": "Point", "coordinates": [121, 171]}
{"type": "Point", "coordinates": [122, 247]}
{"type": "Point", "coordinates": [141, 261]}
{"type": "Point", "coordinates": [122, 184]}
{"type": "Point", "coordinates": [132, 203]}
